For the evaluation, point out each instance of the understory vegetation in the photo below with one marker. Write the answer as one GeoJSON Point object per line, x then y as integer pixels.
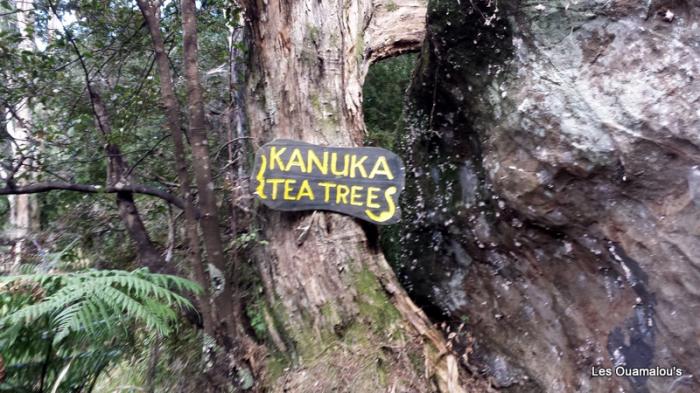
{"type": "Point", "coordinates": [98, 224]}
{"type": "Point", "coordinates": [383, 99]}
{"type": "Point", "coordinates": [102, 288]}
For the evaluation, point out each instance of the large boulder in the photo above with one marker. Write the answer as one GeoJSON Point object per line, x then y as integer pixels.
{"type": "Point", "coordinates": [553, 201]}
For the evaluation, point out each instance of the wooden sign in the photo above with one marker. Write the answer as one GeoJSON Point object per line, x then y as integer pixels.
{"type": "Point", "coordinates": [363, 182]}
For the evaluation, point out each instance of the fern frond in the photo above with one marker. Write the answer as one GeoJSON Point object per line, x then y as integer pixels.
{"type": "Point", "coordinates": [133, 309]}
{"type": "Point", "coordinates": [50, 305]}
{"type": "Point", "coordinates": [95, 300]}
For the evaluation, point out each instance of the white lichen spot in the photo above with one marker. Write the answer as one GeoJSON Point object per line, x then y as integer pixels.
{"type": "Point", "coordinates": [668, 16]}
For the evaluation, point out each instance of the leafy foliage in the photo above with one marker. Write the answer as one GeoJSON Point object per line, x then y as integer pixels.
{"type": "Point", "coordinates": [90, 321]}
{"type": "Point", "coordinates": [384, 91]}
{"type": "Point", "coordinates": [82, 321]}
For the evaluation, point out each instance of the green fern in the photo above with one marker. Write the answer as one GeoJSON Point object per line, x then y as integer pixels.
{"type": "Point", "coordinates": [85, 301]}
{"type": "Point", "coordinates": [88, 318]}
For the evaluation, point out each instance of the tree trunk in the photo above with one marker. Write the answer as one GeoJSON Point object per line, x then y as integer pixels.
{"type": "Point", "coordinates": [337, 299]}
{"type": "Point", "coordinates": [201, 163]}
{"type": "Point", "coordinates": [228, 327]}
{"type": "Point", "coordinates": [24, 209]}
{"type": "Point", "coordinates": [117, 175]}
{"type": "Point", "coordinates": [220, 323]}
{"type": "Point", "coordinates": [172, 115]}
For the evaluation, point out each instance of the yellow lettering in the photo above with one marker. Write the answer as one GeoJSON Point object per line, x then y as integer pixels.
{"type": "Point", "coordinates": [305, 191]}
{"type": "Point", "coordinates": [391, 207]}
{"type": "Point", "coordinates": [358, 165]}
{"type": "Point", "coordinates": [288, 189]}
{"type": "Point", "coordinates": [274, 183]}
{"type": "Point", "coordinates": [334, 165]}
{"type": "Point", "coordinates": [260, 190]}
{"type": "Point", "coordinates": [372, 196]}
{"type": "Point", "coordinates": [314, 161]}
{"type": "Point", "coordinates": [296, 159]}
{"type": "Point", "coordinates": [381, 167]}
{"type": "Point", "coordinates": [355, 195]}
{"type": "Point", "coordinates": [327, 190]}
{"type": "Point", "coordinates": [341, 194]}
{"type": "Point", "coordinates": [275, 157]}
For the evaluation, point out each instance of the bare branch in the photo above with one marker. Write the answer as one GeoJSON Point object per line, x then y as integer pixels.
{"type": "Point", "coordinates": [93, 189]}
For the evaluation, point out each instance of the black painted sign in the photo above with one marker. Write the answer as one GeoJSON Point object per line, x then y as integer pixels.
{"type": "Point", "coordinates": [364, 182]}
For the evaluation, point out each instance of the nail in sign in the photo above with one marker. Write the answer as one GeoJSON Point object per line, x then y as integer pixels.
{"type": "Point", "coordinates": [363, 182]}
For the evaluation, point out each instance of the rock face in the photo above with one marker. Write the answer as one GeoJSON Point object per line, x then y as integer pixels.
{"type": "Point", "coordinates": [553, 201]}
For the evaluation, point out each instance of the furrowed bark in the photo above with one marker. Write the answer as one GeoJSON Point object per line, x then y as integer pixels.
{"type": "Point", "coordinates": [329, 282]}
